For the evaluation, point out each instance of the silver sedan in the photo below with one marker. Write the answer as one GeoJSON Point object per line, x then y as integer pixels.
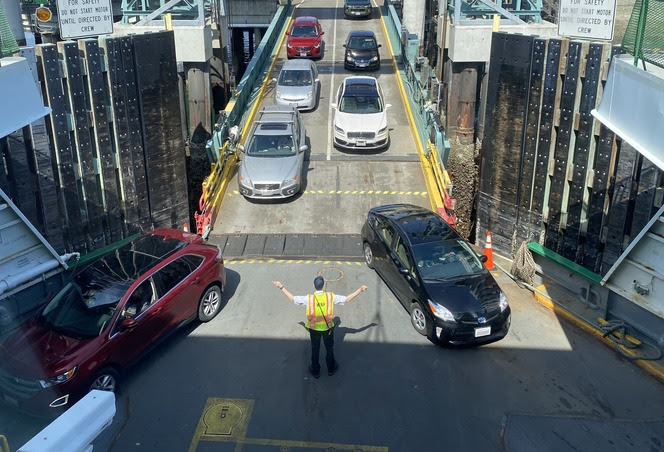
{"type": "Point", "coordinates": [297, 84]}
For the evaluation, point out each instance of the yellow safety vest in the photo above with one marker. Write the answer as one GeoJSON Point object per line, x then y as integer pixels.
{"type": "Point", "coordinates": [319, 309]}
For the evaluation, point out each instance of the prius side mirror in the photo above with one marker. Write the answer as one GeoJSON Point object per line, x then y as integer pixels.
{"type": "Point", "coordinates": [343, 45]}
{"type": "Point", "coordinates": [380, 45]}
{"type": "Point", "coordinates": [483, 258]}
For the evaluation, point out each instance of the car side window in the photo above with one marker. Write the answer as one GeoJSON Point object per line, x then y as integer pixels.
{"type": "Point", "coordinates": [143, 296]}
{"type": "Point", "coordinates": [402, 254]}
{"type": "Point", "coordinates": [175, 272]}
{"type": "Point", "coordinates": [387, 233]}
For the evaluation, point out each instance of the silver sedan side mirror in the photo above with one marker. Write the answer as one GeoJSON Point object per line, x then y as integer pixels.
{"type": "Point", "coordinates": [304, 148]}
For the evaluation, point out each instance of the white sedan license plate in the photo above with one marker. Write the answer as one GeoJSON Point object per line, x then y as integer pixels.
{"type": "Point", "coordinates": [361, 143]}
{"type": "Point", "coordinates": [303, 54]}
{"type": "Point", "coordinates": [483, 331]}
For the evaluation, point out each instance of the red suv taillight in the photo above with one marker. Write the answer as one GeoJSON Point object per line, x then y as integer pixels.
{"type": "Point", "coordinates": [218, 257]}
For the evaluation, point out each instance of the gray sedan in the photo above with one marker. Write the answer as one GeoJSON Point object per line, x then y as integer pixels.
{"type": "Point", "coordinates": [297, 85]}
{"type": "Point", "coordinates": [274, 154]}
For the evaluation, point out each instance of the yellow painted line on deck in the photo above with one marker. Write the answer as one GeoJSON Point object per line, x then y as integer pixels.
{"type": "Point", "coordinates": [227, 420]}
{"type": "Point", "coordinates": [435, 198]}
{"type": "Point", "coordinates": [542, 297]}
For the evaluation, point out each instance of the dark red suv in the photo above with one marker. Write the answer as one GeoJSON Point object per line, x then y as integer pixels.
{"type": "Point", "coordinates": [109, 315]}
{"type": "Point", "coordinates": [305, 38]}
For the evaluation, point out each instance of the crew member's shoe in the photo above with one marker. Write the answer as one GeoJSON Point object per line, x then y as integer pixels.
{"type": "Point", "coordinates": [331, 372]}
{"type": "Point", "coordinates": [314, 374]}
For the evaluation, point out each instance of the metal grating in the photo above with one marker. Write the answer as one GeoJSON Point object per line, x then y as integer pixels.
{"type": "Point", "coordinates": [644, 37]}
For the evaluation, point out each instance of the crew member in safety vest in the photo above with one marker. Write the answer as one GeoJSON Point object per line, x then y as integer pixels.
{"type": "Point", "coordinates": [320, 310]}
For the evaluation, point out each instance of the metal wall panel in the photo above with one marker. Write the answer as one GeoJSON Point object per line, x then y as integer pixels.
{"type": "Point", "coordinates": [103, 150]}
{"type": "Point", "coordinates": [561, 152]}
{"type": "Point", "coordinates": [156, 74]}
{"type": "Point", "coordinates": [69, 197]}
{"type": "Point", "coordinates": [117, 92]}
{"type": "Point", "coordinates": [502, 147]}
{"type": "Point", "coordinates": [577, 185]}
{"type": "Point", "coordinates": [84, 154]}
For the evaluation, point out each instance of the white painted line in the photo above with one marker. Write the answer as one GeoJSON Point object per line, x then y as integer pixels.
{"type": "Point", "coordinates": [330, 115]}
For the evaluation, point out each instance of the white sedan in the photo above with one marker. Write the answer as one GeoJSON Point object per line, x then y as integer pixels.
{"type": "Point", "coordinates": [360, 119]}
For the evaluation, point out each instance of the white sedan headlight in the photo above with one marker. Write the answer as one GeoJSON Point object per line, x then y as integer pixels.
{"type": "Point", "coordinates": [382, 131]}
{"type": "Point", "coordinates": [59, 379]}
{"type": "Point", "coordinates": [503, 302]}
{"type": "Point", "coordinates": [441, 311]}
{"type": "Point", "coordinates": [339, 129]}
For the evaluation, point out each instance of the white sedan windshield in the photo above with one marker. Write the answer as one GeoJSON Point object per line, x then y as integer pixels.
{"type": "Point", "coordinates": [361, 104]}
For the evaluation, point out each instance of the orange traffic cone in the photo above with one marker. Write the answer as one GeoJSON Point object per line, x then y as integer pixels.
{"type": "Point", "coordinates": [488, 251]}
{"type": "Point", "coordinates": [185, 227]}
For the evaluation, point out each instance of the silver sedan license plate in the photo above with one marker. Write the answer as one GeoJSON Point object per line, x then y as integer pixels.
{"type": "Point", "coordinates": [482, 331]}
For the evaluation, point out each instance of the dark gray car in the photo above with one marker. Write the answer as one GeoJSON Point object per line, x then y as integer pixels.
{"type": "Point", "coordinates": [271, 166]}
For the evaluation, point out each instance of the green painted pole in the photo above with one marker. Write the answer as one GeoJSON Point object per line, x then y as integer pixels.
{"type": "Point", "coordinates": [640, 32]}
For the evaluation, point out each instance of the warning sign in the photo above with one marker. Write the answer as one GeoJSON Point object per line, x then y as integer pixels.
{"type": "Point", "coordinates": [587, 19]}
{"type": "Point", "coordinates": [85, 18]}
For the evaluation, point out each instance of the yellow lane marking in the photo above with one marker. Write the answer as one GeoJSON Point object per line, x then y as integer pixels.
{"type": "Point", "coordinates": [542, 297]}
{"type": "Point", "coordinates": [435, 199]}
{"type": "Point", "coordinates": [227, 420]}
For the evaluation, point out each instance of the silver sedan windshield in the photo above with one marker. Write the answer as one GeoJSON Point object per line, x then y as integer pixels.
{"type": "Point", "coordinates": [295, 78]}
{"type": "Point", "coordinates": [271, 146]}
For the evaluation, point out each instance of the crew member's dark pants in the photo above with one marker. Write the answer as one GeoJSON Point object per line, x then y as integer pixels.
{"type": "Point", "coordinates": [328, 340]}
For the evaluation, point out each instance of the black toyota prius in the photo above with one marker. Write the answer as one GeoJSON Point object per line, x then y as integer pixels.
{"type": "Point", "coordinates": [452, 298]}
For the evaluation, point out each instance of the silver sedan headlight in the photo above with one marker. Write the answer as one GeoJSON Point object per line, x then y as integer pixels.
{"type": "Point", "coordinates": [245, 181]}
{"type": "Point", "coordinates": [290, 181]}
{"type": "Point", "coordinates": [278, 94]}
{"type": "Point", "coordinates": [310, 93]}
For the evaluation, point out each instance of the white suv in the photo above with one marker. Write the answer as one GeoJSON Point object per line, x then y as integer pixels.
{"type": "Point", "coordinates": [360, 118]}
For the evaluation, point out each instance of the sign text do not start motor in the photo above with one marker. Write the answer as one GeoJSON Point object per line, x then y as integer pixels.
{"type": "Point", "coordinates": [587, 19]}
{"type": "Point", "coordinates": [85, 18]}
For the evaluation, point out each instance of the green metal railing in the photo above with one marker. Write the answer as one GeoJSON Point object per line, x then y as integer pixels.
{"type": "Point", "coordinates": [644, 37]}
{"type": "Point", "coordinates": [8, 45]}
{"type": "Point", "coordinates": [466, 12]}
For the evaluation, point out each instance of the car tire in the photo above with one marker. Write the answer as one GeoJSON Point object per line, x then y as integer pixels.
{"type": "Point", "coordinates": [106, 379]}
{"type": "Point", "coordinates": [368, 255]}
{"type": "Point", "coordinates": [209, 304]}
{"type": "Point", "coordinates": [419, 320]}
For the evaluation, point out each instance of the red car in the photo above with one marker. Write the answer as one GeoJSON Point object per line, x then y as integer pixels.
{"type": "Point", "coordinates": [110, 314]}
{"type": "Point", "coordinates": [305, 38]}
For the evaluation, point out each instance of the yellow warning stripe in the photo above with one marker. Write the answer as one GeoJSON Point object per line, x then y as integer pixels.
{"type": "Point", "coordinates": [652, 367]}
